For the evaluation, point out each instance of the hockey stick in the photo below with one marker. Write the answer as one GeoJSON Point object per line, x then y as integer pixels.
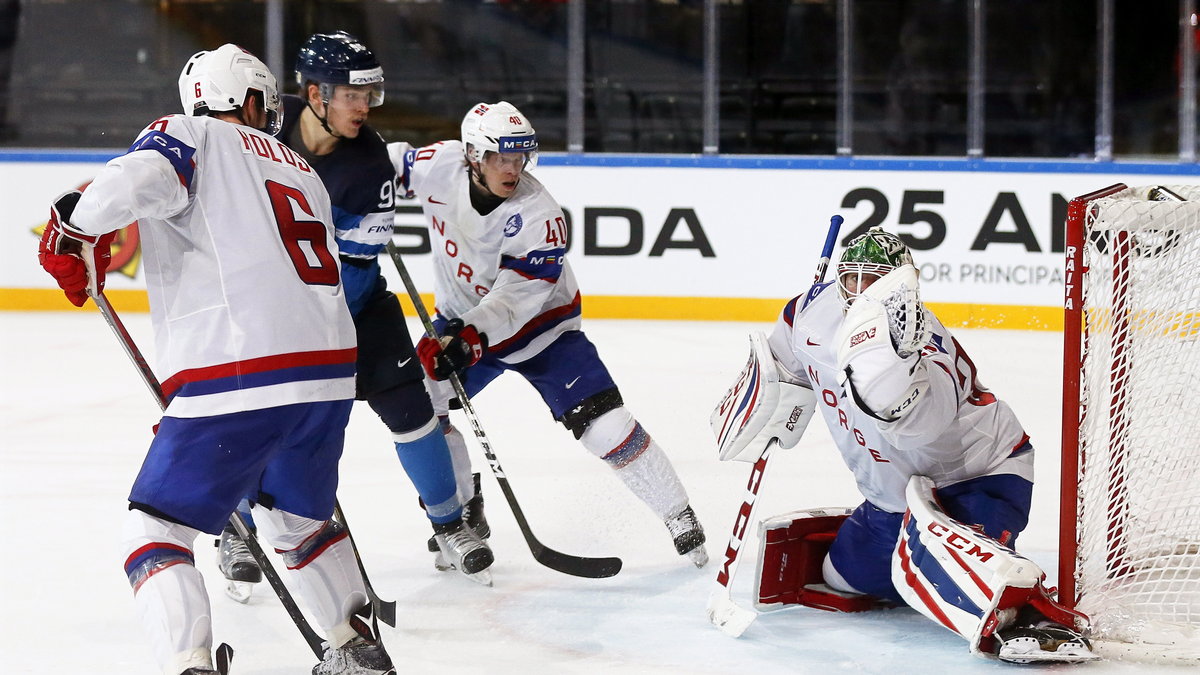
{"type": "Point", "coordinates": [592, 568]}
{"type": "Point", "coordinates": [384, 610]}
{"type": "Point", "coordinates": [315, 642]}
{"type": "Point", "coordinates": [723, 612]}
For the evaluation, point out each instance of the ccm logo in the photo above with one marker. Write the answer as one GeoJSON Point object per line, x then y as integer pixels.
{"type": "Point", "coordinates": [957, 541]}
{"type": "Point", "coordinates": [859, 337]}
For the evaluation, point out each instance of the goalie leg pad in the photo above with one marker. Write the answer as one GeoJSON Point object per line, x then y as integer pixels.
{"type": "Point", "coordinates": [791, 559]}
{"type": "Point", "coordinates": [960, 578]}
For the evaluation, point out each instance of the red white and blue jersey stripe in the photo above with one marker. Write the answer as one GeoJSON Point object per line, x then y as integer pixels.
{"type": "Point", "coordinates": [506, 273]}
{"type": "Point", "coordinates": [240, 262]}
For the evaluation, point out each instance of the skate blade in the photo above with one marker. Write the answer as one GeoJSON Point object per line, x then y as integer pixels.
{"type": "Point", "coordinates": [698, 556]}
{"type": "Point", "coordinates": [482, 577]}
{"type": "Point", "coordinates": [239, 590]}
{"type": "Point", "coordinates": [1044, 656]}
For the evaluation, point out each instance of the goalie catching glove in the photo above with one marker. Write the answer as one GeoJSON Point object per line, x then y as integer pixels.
{"type": "Point", "coordinates": [879, 346]}
{"type": "Point", "coordinates": [759, 408]}
{"type": "Point", "coordinates": [75, 259]}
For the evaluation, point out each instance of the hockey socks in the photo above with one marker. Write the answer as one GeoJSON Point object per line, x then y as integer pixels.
{"type": "Point", "coordinates": [426, 459]}
{"type": "Point", "coordinates": [618, 439]}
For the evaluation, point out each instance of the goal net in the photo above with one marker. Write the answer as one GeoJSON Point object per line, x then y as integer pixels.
{"type": "Point", "coordinates": [1130, 510]}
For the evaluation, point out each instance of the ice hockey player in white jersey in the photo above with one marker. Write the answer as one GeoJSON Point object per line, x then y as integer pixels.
{"type": "Point", "coordinates": [255, 351]}
{"type": "Point", "coordinates": [944, 466]}
{"type": "Point", "coordinates": [507, 300]}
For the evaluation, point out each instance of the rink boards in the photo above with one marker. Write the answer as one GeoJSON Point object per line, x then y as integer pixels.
{"type": "Point", "coordinates": [711, 237]}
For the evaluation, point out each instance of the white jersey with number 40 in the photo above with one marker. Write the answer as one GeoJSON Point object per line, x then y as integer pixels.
{"type": "Point", "coordinates": [506, 273]}
{"type": "Point", "coordinates": [240, 261]}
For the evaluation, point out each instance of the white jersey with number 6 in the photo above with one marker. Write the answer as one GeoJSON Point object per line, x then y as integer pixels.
{"type": "Point", "coordinates": [241, 265]}
{"type": "Point", "coordinates": [506, 273]}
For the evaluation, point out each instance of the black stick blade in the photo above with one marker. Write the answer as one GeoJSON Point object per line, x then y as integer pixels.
{"type": "Point", "coordinates": [589, 568]}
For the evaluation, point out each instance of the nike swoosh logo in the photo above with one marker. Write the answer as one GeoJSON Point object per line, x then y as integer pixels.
{"type": "Point", "coordinates": [404, 362]}
{"type": "Point", "coordinates": [434, 201]}
{"type": "Point", "coordinates": [814, 344]}
{"type": "Point", "coordinates": [572, 382]}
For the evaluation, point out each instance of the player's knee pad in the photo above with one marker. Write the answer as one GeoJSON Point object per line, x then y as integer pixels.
{"type": "Point", "coordinates": [152, 544]}
{"type": "Point", "coordinates": [405, 408]}
{"type": "Point", "coordinates": [791, 563]}
{"type": "Point", "coordinates": [606, 435]}
{"type": "Point", "coordinates": [592, 408]}
{"type": "Point", "coordinates": [960, 578]}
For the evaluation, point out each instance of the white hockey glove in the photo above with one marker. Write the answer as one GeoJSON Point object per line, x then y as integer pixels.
{"type": "Point", "coordinates": [759, 408]}
{"type": "Point", "coordinates": [879, 346]}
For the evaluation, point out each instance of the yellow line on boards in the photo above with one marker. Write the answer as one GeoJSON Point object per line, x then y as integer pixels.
{"type": "Point", "coordinates": [954, 315]}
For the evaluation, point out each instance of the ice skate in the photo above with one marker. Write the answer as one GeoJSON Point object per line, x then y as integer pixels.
{"type": "Point", "coordinates": [688, 536]}
{"type": "Point", "coordinates": [1042, 642]}
{"type": "Point", "coordinates": [362, 655]}
{"type": "Point", "coordinates": [224, 657]}
{"type": "Point", "coordinates": [460, 548]}
{"type": "Point", "coordinates": [473, 515]}
{"type": "Point", "coordinates": [238, 565]}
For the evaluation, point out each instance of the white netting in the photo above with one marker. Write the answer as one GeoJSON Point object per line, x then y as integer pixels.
{"type": "Point", "coordinates": [1138, 561]}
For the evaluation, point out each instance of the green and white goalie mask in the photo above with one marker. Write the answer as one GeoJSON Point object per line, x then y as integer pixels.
{"type": "Point", "coordinates": [871, 257]}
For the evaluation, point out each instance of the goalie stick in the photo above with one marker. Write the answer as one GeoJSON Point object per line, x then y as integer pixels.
{"type": "Point", "coordinates": [723, 612]}
{"type": "Point", "coordinates": [592, 568]}
{"type": "Point", "coordinates": [315, 642]}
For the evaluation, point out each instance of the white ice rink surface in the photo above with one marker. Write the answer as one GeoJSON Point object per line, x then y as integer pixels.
{"type": "Point", "coordinates": [77, 419]}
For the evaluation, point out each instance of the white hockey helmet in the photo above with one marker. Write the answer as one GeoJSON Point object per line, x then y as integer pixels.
{"type": "Point", "coordinates": [219, 80]}
{"type": "Point", "coordinates": [498, 127]}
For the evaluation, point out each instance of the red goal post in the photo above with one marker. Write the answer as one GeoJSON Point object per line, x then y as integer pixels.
{"type": "Point", "coordinates": [1129, 550]}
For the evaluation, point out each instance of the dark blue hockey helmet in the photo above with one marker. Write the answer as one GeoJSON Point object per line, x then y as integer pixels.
{"type": "Point", "coordinates": [339, 58]}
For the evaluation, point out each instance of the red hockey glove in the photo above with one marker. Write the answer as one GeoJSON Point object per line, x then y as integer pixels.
{"type": "Point", "coordinates": [459, 348]}
{"type": "Point", "coordinates": [76, 260]}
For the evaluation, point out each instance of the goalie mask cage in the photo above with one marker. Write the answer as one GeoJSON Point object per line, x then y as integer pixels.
{"type": "Point", "coordinates": [1129, 553]}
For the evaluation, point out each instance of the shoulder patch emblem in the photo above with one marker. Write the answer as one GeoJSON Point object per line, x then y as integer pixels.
{"type": "Point", "coordinates": [513, 226]}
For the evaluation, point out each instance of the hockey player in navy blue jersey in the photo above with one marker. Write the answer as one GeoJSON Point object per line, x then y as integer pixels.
{"type": "Point", "coordinates": [339, 81]}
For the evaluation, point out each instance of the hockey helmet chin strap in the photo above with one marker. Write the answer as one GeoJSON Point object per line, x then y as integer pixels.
{"type": "Point", "coordinates": [477, 174]}
{"type": "Point", "coordinates": [323, 120]}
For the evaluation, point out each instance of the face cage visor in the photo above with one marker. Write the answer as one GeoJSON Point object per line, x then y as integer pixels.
{"type": "Point", "coordinates": [351, 96]}
{"type": "Point", "coordinates": [520, 160]}
{"type": "Point", "coordinates": [853, 278]}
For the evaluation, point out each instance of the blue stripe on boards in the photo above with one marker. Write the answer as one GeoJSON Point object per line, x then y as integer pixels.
{"type": "Point", "coordinates": [1078, 166]}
